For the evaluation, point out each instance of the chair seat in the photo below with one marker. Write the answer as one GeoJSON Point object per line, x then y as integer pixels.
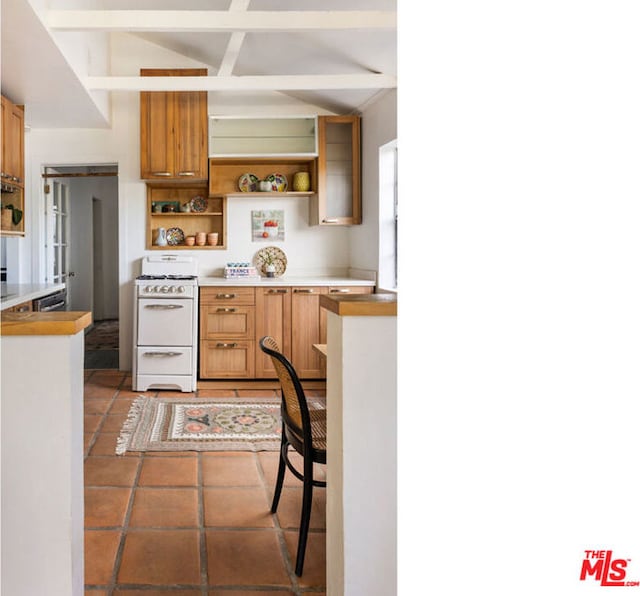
{"type": "Point", "coordinates": [318, 420]}
{"type": "Point", "coordinates": [318, 429]}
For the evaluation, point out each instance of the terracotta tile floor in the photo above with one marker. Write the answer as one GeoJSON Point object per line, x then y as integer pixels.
{"type": "Point", "coordinates": [188, 524]}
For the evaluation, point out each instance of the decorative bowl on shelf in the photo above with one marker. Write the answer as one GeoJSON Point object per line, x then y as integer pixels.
{"type": "Point", "coordinates": [278, 182]}
{"type": "Point", "coordinates": [198, 204]}
{"type": "Point", "coordinates": [248, 183]}
{"type": "Point", "coordinates": [175, 236]}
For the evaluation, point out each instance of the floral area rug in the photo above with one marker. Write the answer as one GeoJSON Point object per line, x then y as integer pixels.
{"type": "Point", "coordinates": [175, 424]}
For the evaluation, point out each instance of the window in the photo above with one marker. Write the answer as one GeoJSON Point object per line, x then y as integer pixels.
{"type": "Point", "coordinates": [388, 209]}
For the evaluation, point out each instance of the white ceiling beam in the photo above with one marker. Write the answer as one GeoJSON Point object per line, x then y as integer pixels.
{"type": "Point", "coordinates": [217, 21]}
{"type": "Point", "coordinates": [244, 83]}
{"type": "Point", "coordinates": [236, 40]}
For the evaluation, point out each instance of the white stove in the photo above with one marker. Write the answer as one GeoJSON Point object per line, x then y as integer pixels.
{"type": "Point", "coordinates": [166, 324]}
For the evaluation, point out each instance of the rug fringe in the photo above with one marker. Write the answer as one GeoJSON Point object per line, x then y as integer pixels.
{"type": "Point", "coordinates": [130, 424]}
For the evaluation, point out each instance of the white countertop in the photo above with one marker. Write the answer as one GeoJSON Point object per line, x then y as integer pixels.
{"type": "Point", "coordinates": [286, 280]}
{"type": "Point", "coordinates": [19, 293]}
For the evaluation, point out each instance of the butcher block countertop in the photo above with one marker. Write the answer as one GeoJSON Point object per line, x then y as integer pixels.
{"type": "Point", "coordinates": [363, 305]}
{"type": "Point", "coordinates": [285, 280]}
{"type": "Point", "coordinates": [44, 323]}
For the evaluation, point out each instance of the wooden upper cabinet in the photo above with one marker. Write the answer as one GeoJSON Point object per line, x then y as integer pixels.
{"type": "Point", "coordinates": [173, 130]}
{"type": "Point", "coordinates": [12, 143]}
{"type": "Point", "coordinates": [338, 201]}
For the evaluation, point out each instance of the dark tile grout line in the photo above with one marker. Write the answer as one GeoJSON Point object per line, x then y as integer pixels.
{"type": "Point", "coordinates": [123, 535]}
{"type": "Point", "coordinates": [293, 578]}
{"type": "Point", "coordinates": [204, 555]}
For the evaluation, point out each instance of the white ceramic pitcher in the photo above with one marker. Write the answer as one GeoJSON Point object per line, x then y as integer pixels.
{"type": "Point", "coordinates": [161, 240]}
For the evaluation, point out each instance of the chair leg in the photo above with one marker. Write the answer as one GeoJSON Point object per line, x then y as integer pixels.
{"type": "Point", "coordinates": [281, 470]}
{"type": "Point", "coordinates": [305, 517]}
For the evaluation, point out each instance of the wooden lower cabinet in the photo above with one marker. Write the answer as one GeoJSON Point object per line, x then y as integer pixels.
{"type": "Point", "coordinates": [227, 359]}
{"type": "Point", "coordinates": [273, 317]}
{"type": "Point", "coordinates": [227, 332]}
{"type": "Point", "coordinates": [22, 307]}
{"type": "Point", "coordinates": [233, 320]}
{"type": "Point", "coordinates": [308, 327]}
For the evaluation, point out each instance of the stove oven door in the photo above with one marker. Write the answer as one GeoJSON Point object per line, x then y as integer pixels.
{"type": "Point", "coordinates": [165, 322]}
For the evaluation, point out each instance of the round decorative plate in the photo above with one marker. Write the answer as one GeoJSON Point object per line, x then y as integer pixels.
{"type": "Point", "coordinates": [198, 204]}
{"type": "Point", "coordinates": [248, 183]}
{"type": "Point", "coordinates": [175, 236]}
{"type": "Point", "coordinates": [278, 182]}
{"type": "Point", "coordinates": [278, 258]}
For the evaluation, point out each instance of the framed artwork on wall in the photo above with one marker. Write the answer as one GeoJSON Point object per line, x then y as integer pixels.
{"type": "Point", "coordinates": [267, 225]}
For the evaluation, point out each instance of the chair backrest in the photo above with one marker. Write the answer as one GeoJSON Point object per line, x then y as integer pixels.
{"type": "Point", "coordinates": [295, 410]}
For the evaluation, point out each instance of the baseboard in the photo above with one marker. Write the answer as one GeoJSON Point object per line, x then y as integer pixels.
{"type": "Point", "coordinates": [255, 384]}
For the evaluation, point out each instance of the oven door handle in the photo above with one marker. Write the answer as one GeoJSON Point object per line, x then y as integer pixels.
{"type": "Point", "coordinates": [52, 306]}
{"type": "Point", "coordinates": [163, 306]}
{"type": "Point", "coordinates": [162, 354]}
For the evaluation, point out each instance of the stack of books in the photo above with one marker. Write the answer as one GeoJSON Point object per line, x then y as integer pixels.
{"type": "Point", "coordinates": [240, 271]}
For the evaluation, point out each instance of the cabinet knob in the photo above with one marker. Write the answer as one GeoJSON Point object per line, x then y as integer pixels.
{"type": "Point", "coordinates": [186, 173]}
{"type": "Point", "coordinates": [304, 290]}
{"type": "Point", "coordinates": [226, 310]}
{"type": "Point", "coordinates": [161, 173]}
{"type": "Point", "coordinates": [273, 291]}
{"type": "Point", "coordinates": [223, 296]}
{"type": "Point", "coordinates": [224, 345]}
{"type": "Point", "coordinates": [339, 290]}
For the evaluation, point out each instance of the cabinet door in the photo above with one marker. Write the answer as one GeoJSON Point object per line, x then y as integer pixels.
{"type": "Point", "coordinates": [226, 321]}
{"type": "Point", "coordinates": [156, 135]}
{"type": "Point", "coordinates": [190, 116]}
{"type": "Point", "coordinates": [273, 317]}
{"type": "Point", "coordinates": [230, 359]}
{"type": "Point", "coordinates": [308, 327]}
{"type": "Point", "coordinates": [338, 201]}
{"type": "Point", "coordinates": [12, 142]}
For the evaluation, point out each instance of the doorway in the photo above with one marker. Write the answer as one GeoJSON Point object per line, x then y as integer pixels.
{"type": "Point", "coordinates": [91, 248]}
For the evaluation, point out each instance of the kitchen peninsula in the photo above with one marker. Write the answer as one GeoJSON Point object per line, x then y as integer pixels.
{"type": "Point", "coordinates": [41, 438]}
{"type": "Point", "coordinates": [361, 446]}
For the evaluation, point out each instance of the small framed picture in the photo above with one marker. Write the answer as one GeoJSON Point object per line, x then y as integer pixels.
{"type": "Point", "coordinates": [267, 226]}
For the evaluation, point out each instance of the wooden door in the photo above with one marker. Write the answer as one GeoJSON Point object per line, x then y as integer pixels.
{"type": "Point", "coordinates": [12, 142]}
{"type": "Point", "coordinates": [190, 129]}
{"type": "Point", "coordinates": [156, 135]}
{"type": "Point", "coordinates": [338, 201]}
{"type": "Point", "coordinates": [306, 330]}
{"type": "Point", "coordinates": [273, 317]}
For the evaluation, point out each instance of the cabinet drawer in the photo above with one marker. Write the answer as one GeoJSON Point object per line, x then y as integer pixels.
{"type": "Point", "coordinates": [230, 295]}
{"type": "Point", "coordinates": [227, 358]}
{"type": "Point", "coordinates": [225, 320]}
{"type": "Point", "coordinates": [161, 360]}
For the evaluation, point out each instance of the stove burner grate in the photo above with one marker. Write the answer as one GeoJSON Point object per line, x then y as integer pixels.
{"type": "Point", "coordinates": [160, 277]}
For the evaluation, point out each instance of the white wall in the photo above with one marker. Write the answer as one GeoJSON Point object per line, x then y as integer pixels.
{"type": "Point", "coordinates": [379, 126]}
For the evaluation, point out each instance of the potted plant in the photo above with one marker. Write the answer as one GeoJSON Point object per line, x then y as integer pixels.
{"type": "Point", "coordinates": [269, 265]}
{"type": "Point", "coordinates": [15, 218]}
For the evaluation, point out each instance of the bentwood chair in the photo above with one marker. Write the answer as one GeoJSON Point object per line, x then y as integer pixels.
{"type": "Point", "coordinates": [303, 429]}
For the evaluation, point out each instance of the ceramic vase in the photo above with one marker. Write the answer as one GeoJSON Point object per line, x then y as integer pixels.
{"type": "Point", "coordinates": [161, 240]}
{"type": "Point", "coordinates": [301, 182]}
